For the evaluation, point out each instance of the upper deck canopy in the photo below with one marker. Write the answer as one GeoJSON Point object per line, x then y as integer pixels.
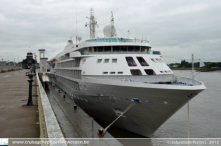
{"type": "Point", "coordinates": [116, 40]}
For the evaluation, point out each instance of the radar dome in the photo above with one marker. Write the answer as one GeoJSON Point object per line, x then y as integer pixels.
{"type": "Point", "coordinates": [109, 31]}
{"type": "Point", "coordinates": [79, 38]}
{"type": "Point", "coordinates": [69, 42]}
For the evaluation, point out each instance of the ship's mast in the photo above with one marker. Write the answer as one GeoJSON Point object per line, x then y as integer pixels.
{"type": "Point", "coordinates": [92, 24]}
{"type": "Point", "coordinates": [112, 25]}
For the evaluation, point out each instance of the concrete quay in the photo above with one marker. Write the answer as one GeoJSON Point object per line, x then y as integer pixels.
{"type": "Point", "coordinates": [52, 117]}
{"type": "Point", "coordinates": [17, 121]}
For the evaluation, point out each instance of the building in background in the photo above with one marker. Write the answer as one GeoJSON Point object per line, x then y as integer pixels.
{"type": "Point", "coordinates": [29, 61]}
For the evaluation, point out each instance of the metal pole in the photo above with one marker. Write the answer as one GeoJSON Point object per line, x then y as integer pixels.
{"type": "Point", "coordinates": [192, 69]}
{"type": "Point", "coordinates": [188, 106]}
{"type": "Point", "coordinates": [2, 64]}
{"type": "Point", "coordinates": [188, 123]}
{"type": "Point", "coordinates": [92, 127]}
{"type": "Point", "coordinates": [30, 80]}
{"type": "Point", "coordinates": [30, 103]}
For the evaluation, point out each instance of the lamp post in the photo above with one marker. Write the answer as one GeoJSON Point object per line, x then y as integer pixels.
{"type": "Point", "coordinates": [8, 65]}
{"type": "Point", "coordinates": [2, 64]}
{"type": "Point", "coordinates": [30, 80]}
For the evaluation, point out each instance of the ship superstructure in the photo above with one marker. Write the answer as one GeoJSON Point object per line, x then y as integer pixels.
{"type": "Point", "coordinates": [104, 75]}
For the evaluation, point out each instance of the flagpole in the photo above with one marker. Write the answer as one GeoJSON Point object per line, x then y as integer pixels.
{"type": "Point", "coordinates": [200, 69]}
{"type": "Point", "coordinates": [192, 69]}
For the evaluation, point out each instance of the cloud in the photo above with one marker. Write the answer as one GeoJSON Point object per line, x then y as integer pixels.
{"type": "Point", "coordinates": [176, 28]}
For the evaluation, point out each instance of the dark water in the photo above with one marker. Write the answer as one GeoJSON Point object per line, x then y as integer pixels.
{"type": "Point", "coordinates": [205, 114]}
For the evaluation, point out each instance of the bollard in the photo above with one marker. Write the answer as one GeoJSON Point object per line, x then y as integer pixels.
{"type": "Point", "coordinates": [75, 107]}
{"type": "Point", "coordinates": [100, 131]}
{"type": "Point", "coordinates": [64, 96]}
{"type": "Point", "coordinates": [30, 80]}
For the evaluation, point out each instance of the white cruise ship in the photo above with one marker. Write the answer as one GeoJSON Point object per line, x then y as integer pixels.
{"type": "Point", "coordinates": [105, 75]}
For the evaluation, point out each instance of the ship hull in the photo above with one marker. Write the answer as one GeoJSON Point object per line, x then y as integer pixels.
{"type": "Point", "coordinates": [105, 102]}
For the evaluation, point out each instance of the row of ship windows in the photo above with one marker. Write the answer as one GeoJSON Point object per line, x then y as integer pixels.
{"type": "Point", "coordinates": [111, 100]}
{"type": "Point", "coordinates": [138, 72]}
{"type": "Point", "coordinates": [131, 62]}
{"type": "Point", "coordinates": [107, 60]}
{"type": "Point", "coordinates": [105, 73]}
{"type": "Point", "coordinates": [166, 71]}
{"type": "Point", "coordinates": [157, 60]}
{"type": "Point", "coordinates": [69, 73]}
{"type": "Point", "coordinates": [72, 84]}
{"type": "Point", "coordinates": [72, 63]}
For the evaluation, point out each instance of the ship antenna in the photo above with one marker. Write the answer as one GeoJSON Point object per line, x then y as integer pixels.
{"type": "Point", "coordinates": [92, 24]}
{"type": "Point", "coordinates": [112, 24]}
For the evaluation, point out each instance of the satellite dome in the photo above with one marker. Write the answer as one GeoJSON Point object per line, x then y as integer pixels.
{"type": "Point", "coordinates": [79, 38]}
{"type": "Point", "coordinates": [109, 31]}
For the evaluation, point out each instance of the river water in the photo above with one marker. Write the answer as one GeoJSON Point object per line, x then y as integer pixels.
{"type": "Point", "coordinates": [204, 113]}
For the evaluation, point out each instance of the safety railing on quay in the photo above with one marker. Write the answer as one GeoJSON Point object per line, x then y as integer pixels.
{"type": "Point", "coordinates": [9, 68]}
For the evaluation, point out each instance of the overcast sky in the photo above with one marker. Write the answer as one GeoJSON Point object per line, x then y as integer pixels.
{"type": "Point", "coordinates": [177, 28]}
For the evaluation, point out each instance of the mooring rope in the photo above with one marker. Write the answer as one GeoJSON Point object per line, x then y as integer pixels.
{"type": "Point", "coordinates": [129, 107]}
{"type": "Point", "coordinates": [188, 124]}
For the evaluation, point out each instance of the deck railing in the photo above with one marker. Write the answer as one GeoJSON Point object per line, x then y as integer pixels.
{"type": "Point", "coordinates": [186, 81]}
{"type": "Point", "coordinates": [120, 52]}
{"type": "Point", "coordinates": [117, 40]}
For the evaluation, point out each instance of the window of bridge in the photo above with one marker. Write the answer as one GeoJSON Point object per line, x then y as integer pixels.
{"type": "Point", "coordinates": [135, 72]}
{"type": "Point", "coordinates": [149, 72]}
